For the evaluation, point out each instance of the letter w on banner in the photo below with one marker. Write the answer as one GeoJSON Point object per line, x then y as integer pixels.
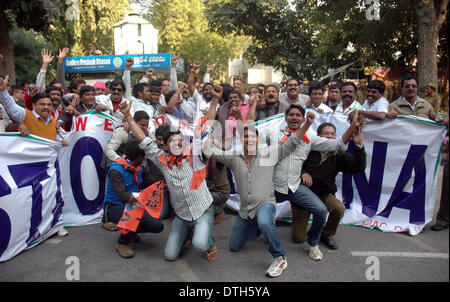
{"type": "Point", "coordinates": [150, 200]}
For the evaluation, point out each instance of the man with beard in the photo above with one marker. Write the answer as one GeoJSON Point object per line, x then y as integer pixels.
{"type": "Point", "coordinates": [376, 106]}
{"type": "Point", "coordinates": [141, 99]}
{"type": "Point", "coordinates": [293, 95]}
{"type": "Point", "coordinates": [349, 101]}
{"type": "Point", "coordinates": [206, 96]}
{"type": "Point", "coordinates": [272, 104]}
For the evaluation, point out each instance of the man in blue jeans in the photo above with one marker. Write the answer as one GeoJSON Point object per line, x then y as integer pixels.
{"type": "Point", "coordinates": [287, 175]}
{"type": "Point", "coordinates": [192, 206]}
{"type": "Point", "coordinates": [253, 170]}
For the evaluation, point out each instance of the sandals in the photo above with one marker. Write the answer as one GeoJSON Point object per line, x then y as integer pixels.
{"type": "Point", "coordinates": [211, 255]}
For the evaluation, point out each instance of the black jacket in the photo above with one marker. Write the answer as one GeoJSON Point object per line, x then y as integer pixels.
{"type": "Point", "coordinates": [324, 174]}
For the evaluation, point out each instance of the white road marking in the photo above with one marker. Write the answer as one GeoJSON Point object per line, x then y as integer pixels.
{"type": "Point", "coordinates": [400, 254]}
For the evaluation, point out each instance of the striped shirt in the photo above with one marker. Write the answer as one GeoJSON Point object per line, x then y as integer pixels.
{"type": "Point", "coordinates": [188, 204]}
{"type": "Point", "coordinates": [254, 182]}
{"type": "Point", "coordinates": [287, 175]}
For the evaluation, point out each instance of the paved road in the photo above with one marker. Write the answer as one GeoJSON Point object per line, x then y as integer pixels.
{"type": "Point", "coordinates": [420, 258]}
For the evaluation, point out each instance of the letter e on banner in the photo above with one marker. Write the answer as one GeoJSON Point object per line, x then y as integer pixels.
{"type": "Point", "coordinates": [108, 125]}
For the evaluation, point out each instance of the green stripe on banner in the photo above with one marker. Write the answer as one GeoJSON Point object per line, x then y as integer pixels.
{"type": "Point", "coordinates": [93, 112]}
{"type": "Point", "coordinates": [28, 137]}
{"type": "Point", "coordinates": [421, 120]}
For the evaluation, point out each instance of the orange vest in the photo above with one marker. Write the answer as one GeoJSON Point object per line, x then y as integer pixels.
{"type": "Point", "coordinates": [38, 127]}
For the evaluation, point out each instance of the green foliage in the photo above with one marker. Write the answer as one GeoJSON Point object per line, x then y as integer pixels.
{"type": "Point", "coordinates": [308, 37]}
{"type": "Point", "coordinates": [183, 30]}
{"type": "Point", "coordinates": [27, 55]}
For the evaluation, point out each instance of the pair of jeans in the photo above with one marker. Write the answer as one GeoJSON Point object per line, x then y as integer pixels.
{"type": "Point", "coordinates": [309, 201]}
{"type": "Point", "coordinates": [148, 224]}
{"type": "Point", "coordinates": [181, 230]}
{"type": "Point", "coordinates": [246, 230]}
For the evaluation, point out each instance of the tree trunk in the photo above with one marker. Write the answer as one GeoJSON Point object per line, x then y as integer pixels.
{"type": "Point", "coordinates": [428, 38]}
{"type": "Point", "coordinates": [430, 16]}
{"type": "Point", "coordinates": [6, 49]}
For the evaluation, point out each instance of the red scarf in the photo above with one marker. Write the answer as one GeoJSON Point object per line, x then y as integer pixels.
{"type": "Point", "coordinates": [130, 168]}
{"type": "Point", "coordinates": [289, 132]}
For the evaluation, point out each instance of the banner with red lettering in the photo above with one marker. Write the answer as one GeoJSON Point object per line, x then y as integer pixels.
{"type": "Point", "coordinates": [83, 180]}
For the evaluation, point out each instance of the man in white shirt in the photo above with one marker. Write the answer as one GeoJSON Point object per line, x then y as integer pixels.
{"type": "Point", "coordinates": [376, 106]}
{"type": "Point", "coordinates": [348, 100]}
{"type": "Point", "coordinates": [316, 91]}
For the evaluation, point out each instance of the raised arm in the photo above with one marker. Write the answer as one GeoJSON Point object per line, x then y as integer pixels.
{"type": "Point", "coordinates": [60, 72]}
{"type": "Point", "coordinates": [193, 77]}
{"type": "Point", "coordinates": [254, 100]}
{"type": "Point", "coordinates": [217, 94]}
{"type": "Point", "coordinates": [173, 79]}
{"type": "Point", "coordinates": [357, 122]}
{"type": "Point", "coordinates": [125, 108]}
{"type": "Point", "coordinates": [175, 99]}
{"type": "Point", "coordinates": [126, 78]}
{"type": "Point", "coordinates": [47, 58]}
{"type": "Point", "coordinates": [16, 112]}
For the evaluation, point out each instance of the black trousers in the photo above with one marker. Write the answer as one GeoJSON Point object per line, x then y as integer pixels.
{"type": "Point", "coordinates": [148, 224]}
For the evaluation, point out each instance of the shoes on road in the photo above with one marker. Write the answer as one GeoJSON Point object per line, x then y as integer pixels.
{"type": "Point", "coordinates": [110, 226]}
{"type": "Point", "coordinates": [329, 242]}
{"type": "Point", "coordinates": [211, 255]}
{"type": "Point", "coordinates": [218, 218]}
{"type": "Point", "coordinates": [438, 227]}
{"type": "Point", "coordinates": [62, 232]}
{"type": "Point", "coordinates": [125, 250]}
{"type": "Point", "coordinates": [276, 268]}
{"type": "Point", "coordinates": [314, 252]}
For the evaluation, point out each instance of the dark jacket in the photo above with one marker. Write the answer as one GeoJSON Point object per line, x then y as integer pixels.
{"type": "Point", "coordinates": [324, 174]}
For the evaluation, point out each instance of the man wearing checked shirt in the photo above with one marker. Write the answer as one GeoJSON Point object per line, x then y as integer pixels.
{"type": "Point", "coordinates": [287, 175]}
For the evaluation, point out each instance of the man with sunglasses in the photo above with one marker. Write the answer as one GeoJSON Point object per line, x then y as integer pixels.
{"type": "Point", "coordinates": [293, 95]}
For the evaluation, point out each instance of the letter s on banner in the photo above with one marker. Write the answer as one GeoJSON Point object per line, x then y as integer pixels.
{"type": "Point", "coordinates": [87, 146]}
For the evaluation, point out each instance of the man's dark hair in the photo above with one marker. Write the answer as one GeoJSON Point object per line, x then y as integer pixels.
{"type": "Point", "coordinates": [407, 78]}
{"type": "Point", "coordinates": [205, 84]}
{"type": "Point", "coordinates": [295, 106]}
{"type": "Point", "coordinates": [333, 87]}
{"type": "Point", "coordinates": [107, 84]}
{"type": "Point", "coordinates": [16, 87]}
{"type": "Point", "coordinates": [349, 84]}
{"type": "Point", "coordinates": [274, 86]}
{"type": "Point", "coordinates": [116, 82]}
{"type": "Point", "coordinates": [53, 88]}
{"type": "Point", "coordinates": [139, 87]}
{"type": "Point", "coordinates": [315, 85]}
{"type": "Point", "coordinates": [378, 85]}
{"type": "Point", "coordinates": [154, 89]}
{"type": "Point", "coordinates": [156, 83]}
{"type": "Point", "coordinates": [132, 150]}
{"type": "Point", "coordinates": [40, 95]}
{"type": "Point", "coordinates": [161, 130]}
{"type": "Point", "coordinates": [323, 125]}
{"type": "Point", "coordinates": [252, 129]}
{"type": "Point", "coordinates": [236, 92]}
{"type": "Point", "coordinates": [75, 83]}
{"type": "Point", "coordinates": [55, 81]}
{"type": "Point", "coordinates": [169, 95]}
{"type": "Point", "coordinates": [86, 88]}
{"type": "Point", "coordinates": [292, 79]}
{"type": "Point", "coordinates": [141, 115]}
{"type": "Point", "coordinates": [227, 90]}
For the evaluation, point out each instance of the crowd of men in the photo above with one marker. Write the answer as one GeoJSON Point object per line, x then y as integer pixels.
{"type": "Point", "coordinates": [303, 170]}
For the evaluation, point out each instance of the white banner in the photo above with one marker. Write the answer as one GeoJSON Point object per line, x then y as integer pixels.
{"type": "Point", "coordinates": [30, 196]}
{"type": "Point", "coordinates": [83, 179]}
{"type": "Point", "coordinates": [397, 190]}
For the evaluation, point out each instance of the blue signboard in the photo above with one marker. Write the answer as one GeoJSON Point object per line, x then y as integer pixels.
{"type": "Point", "coordinates": [117, 62]}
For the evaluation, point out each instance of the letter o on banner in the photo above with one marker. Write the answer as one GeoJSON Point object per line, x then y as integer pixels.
{"type": "Point", "coordinates": [5, 231]}
{"type": "Point", "coordinates": [87, 146]}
